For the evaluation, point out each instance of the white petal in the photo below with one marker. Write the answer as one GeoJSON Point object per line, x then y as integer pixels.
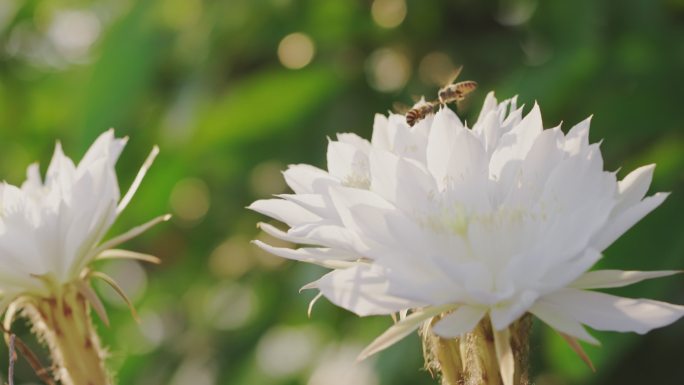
{"type": "Point", "coordinates": [467, 156]}
{"type": "Point", "coordinates": [563, 273]}
{"type": "Point", "coordinates": [634, 186]}
{"type": "Point", "coordinates": [355, 140]}
{"type": "Point", "coordinates": [411, 142]}
{"type": "Point", "coordinates": [105, 146]}
{"type": "Point", "coordinates": [602, 279]}
{"type": "Point", "coordinates": [503, 316]}
{"type": "Point", "coordinates": [440, 142]}
{"type": "Point", "coordinates": [61, 171]}
{"type": "Point", "coordinates": [363, 212]}
{"type": "Point", "coordinates": [515, 144]}
{"type": "Point", "coordinates": [557, 317]}
{"type": "Point", "coordinates": [491, 131]}
{"type": "Point", "coordinates": [399, 180]}
{"type": "Point", "coordinates": [381, 136]}
{"type": "Point", "coordinates": [327, 234]}
{"type": "Point", "coordinates": [400, 330]}
{"type": "Point", "coordinates": [584, 196]}
{"type": "Point", "coordinates": [531, 125]}
{"type": "Point", "coordinates": [315, 203]}
{"type": "Point", "coordinates": [577, 138]}
{"type": "Point", "coordinates": [490, 104]}
{"type": "Point", "coordinates": [280, 234]}
{"type": "Point", "coordinates": [608, 312]}
{"type": "Point", "coordinates": [363, 290]}
{"type": "Point", "coordinates": [625, 220]}
{"type": "Point", "coordinates": [33, 183]}
{"type": "Point", "coordinates": [285, 211]}
{"type": "Point", "coordinates": [306, 179]}
{"type": "Point", "coordinates": [540, 161]}
{"type": "Point", "coordinates": [513, 118]}
{"type": "Point", "coordinates": [348, 164]}
{"type": "Point", "coordinates": [460, 321]}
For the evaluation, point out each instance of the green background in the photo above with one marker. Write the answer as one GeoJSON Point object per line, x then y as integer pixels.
{"type": "Point", "coordinates": [203, 80]}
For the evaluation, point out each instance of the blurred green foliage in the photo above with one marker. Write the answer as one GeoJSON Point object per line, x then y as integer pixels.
{"type": "Point", "coordinates": [203, 79]}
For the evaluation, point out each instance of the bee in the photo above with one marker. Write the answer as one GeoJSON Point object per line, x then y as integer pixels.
{"type": "Point", "coordinates": [419, 111]}
{"type": "Point", "coordinates": [456, 92]}
{"type": "Point", "coordinates": [451, 93]}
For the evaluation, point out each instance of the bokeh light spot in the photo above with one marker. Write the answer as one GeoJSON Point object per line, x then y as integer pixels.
{"type": "Point", "coordinates": [436, 68]}
{"type": "Point", "coordinates": [338, 366]}
{"type": "Point", "coordinates": [296, 50]}
{"type": "Point", "coordinates": [232, 258]}
{"type": "Point", "coordinates": [73, 33]}
{"type": "Point", "coordinates": [8, 9]}
{"type": "Point", "coordinates": [388, 69]}
{"type": "Point", "coordinates": [516, 12]}
{"type": "Point", "coordinates": [229, 306]}
{"type": "Point", "coordinates": [266, 179]}
{"type": "Point", "coordinates": [388, 13]}
{"type": "Point", "coordinates": [196, 371]}
{"type": "Point", "coordinates": [145, 336]}
{"type": "Point", "coordinates": [190, 199]}
{"type": "Point", "coordinates": [181, 14]}
{"type": "Point", "coordinates": [285, 351]}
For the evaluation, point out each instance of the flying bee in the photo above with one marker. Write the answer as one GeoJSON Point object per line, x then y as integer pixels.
{"type": "Point", "coordinates": [456, 92]}
{"type": "Point", "coordinates": [419, 111]}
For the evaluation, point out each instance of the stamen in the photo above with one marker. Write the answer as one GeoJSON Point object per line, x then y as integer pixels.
{"type": "Point", "coordinates": [111, 282]}
{"type": "Point", "coordinates": [94, 300]}
{"type": "Point", "coordinates": [130, 234]}
{"type": "Point", "coordinates": [138, 179]}
{"type": "Point", "coordinates": [577, 348]}
{"type": "Point", "coordinates": [504, 354]}
{"type": "Point", "coordinates": [312, 303]}
{"type": "Point", "coordinates": [127, 254]}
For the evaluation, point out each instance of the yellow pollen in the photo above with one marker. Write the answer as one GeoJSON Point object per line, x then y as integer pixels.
{"type": "Point", "coordinates": [356, 181]}
{"type": "Point", "coordinates": [456, 219]}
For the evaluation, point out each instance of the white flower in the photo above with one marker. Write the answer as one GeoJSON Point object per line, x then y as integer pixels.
{"type": "Point", "coordinates": [51, 231]}
{"type": "Point", "coordinates": [499, 220]}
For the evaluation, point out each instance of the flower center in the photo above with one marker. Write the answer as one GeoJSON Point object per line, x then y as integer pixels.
{"type": "Point", "coordinates": [356, 180]}
{"type": "Point", "coordinates": [456, 218]}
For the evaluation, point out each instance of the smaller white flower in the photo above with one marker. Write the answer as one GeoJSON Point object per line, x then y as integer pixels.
{"type": "Point", "coordinates": [488, 223]}
{"type": "Point", "coordinates": [52, 230]}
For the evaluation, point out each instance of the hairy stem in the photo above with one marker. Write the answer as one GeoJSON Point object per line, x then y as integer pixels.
{"type": "Point", "coordinates": [65, 324]}
{"type": "Point", "coordinates": [471, 359]}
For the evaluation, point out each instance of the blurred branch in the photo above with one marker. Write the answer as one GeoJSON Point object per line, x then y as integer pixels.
{"type": "Point", "coordinates": [31, 357]}
{"type": "Point", "coordinates": [12, 358]}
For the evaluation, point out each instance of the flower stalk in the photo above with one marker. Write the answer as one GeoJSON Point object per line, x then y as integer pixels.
{"type": "Point", "coordinates": [64, 323]}
{"type": "Point", "coordinates": [472, 359]}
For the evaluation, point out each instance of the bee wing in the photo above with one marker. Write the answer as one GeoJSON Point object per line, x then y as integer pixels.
{"type": "Point", "coordinates": [463, 103]}
{"type": "Point", "coordinates": [416, 98]}
{"type": "Point", "coordinates": [400, 108]}
{"type": "Point", "coordinates": [454, 76]}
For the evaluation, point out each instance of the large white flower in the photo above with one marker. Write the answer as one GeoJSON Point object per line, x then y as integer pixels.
{"type": "Point", "coordinates": [496, 220]}
{"type": "Point", "coordinates": [51, 231]}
